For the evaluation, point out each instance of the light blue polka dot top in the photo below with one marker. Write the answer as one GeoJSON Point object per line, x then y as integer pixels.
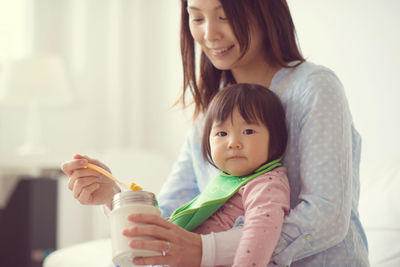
{"type": "Point", "coordinates": [322, 160]}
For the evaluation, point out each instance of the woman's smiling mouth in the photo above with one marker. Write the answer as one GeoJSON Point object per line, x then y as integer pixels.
{"type": "Point", "coordinates": [220, 51]}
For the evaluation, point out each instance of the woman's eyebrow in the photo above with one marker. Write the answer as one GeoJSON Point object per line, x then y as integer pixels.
{"type": "Point", "coordinates": [199, 9]}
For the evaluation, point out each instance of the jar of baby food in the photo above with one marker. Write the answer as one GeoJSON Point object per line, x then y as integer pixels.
{"type": "Point", "coordinates": [124, 204]}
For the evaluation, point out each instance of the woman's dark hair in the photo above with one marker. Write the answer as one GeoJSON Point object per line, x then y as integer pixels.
{"type": "Point", "coordinates": [256, 104]}
{"type": "Point", "coordinates": [275, 22]}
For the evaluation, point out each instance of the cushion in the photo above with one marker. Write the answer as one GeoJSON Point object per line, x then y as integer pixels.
{"type": "Point", "coordinates": [95, 253]}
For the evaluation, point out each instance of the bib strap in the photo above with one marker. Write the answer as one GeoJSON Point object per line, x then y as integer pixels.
{"type": "Point", "coordinates": [216, 193]}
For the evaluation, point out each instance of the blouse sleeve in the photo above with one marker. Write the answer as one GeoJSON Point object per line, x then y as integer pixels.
{"type": "Point", "coordinates": [181, 185]}
{"type": "Point", "coordinates": [321, 218]}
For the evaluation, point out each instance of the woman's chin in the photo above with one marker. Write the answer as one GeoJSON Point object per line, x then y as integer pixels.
{"type": "Point", "coordinates": [221, 63]}
{"type": "Point", "coordinates": [222, 66]}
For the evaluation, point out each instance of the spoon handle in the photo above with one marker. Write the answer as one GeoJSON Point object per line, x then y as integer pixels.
{"type": "Point", "coordinates": [107, 174]}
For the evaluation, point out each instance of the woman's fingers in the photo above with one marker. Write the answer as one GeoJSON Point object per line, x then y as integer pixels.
{"type": "Point", "coordinates": [81, 183]}
{"type": "Point", "coordinates": [80, 174]}
{"type": "Point", "coordinates": [151, 219]}
{"type": "Point", "coordinates": [98, 163]}
{"type": "Point", "coordinates": [156, 245]}
{"type": "Point", "coordinates": [89, 186]}
{"type": "Point", "coordinates": [184, 246]}
{"type": "Point", "coordinates": [156, 260]}
{"type": "Point", "coordinates": [79, 156]}
{"type": "Point", "coordinates": [165, 247]}
{"type": "Point", "coordinates": [86, 195]}
{"type": "Point", "coordinates": [148, 230]}
{"type": "Point", "coordinates": [158, 228]}
{"type": "Point", "coordinates": [70, 166]}
{"type": "Point", "coordinates": [79, 162]}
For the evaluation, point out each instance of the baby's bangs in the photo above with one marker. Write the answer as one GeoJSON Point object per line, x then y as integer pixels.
{"type": "Point", "coordinates": [248, 109]}
{"type": "Point", "coordinates": [223, 111]}
{"type": "Point", "coordinates": [250, 114]}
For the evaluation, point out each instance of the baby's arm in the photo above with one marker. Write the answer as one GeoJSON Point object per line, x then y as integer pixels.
{"type": "Point", "coordinates": [220, 248]}
{"type": "Point", "coordinates": [266, 199]}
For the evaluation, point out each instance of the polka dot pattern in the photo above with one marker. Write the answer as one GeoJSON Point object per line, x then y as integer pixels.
{"type": "Point", "coordinates": [322, 161]}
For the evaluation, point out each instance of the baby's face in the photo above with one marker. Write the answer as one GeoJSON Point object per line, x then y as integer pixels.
{"type": "Point", "coordinates": [237, 147]}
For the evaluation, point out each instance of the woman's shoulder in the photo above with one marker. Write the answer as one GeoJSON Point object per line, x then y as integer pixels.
{"type": "Point", "coordinates": [307, 78]}
{"type": "Point", "coordinates": [308, 71]}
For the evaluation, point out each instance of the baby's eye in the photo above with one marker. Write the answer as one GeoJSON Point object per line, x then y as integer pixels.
{"type": "Point", "coordinates": [221, 133]}
{"type": "Point", "coordinates": [248, 131]}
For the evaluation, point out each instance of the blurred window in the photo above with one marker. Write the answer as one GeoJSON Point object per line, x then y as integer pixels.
{"type": "Point", "coordinates": [13, 28]}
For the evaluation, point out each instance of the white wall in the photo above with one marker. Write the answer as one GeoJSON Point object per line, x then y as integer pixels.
{"type": "Point", "coordinates": [124, 60]}
{"type": "Point", "coordinates": [360, 41]}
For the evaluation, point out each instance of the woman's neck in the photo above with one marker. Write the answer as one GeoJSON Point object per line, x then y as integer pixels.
{"type": "Point", "coordinates": [261, 74]}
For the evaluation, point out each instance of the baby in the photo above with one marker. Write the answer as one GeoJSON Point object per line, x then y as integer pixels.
{"type": "Point", "coordinates": [245, 136]}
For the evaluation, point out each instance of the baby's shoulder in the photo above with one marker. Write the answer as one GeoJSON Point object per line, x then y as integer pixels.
{"type": "Point", "coordinates": [275, 176]}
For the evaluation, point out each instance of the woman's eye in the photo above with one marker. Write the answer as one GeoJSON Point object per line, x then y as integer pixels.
{"type": "Point", "coordinates": [196, 20]}
{"type": "Point", "coordinates": [223, 18]}
{"type": "Point", "coordinates": [221, 133]}
{"type": "Point", "coordinates": [248, 131]}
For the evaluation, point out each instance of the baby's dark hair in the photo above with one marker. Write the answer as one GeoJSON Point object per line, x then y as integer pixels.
{"type": "Point", "coordinates": [256, 104]}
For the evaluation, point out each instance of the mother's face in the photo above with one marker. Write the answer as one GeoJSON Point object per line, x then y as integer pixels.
{"type": "Point", "coordinates": [211, 29]}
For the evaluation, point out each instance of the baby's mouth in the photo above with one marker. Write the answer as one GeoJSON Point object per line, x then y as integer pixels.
{"type": "Point", "coordinates": [236, 157]}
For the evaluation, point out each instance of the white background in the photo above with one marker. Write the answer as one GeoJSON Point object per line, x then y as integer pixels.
{"type": "Point", "coordinates": [123, 58]}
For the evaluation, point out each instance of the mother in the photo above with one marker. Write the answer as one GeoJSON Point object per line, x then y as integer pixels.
{"type": "Point", "coordinates": [253, 41]}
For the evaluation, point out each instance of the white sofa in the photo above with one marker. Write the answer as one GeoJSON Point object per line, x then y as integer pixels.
{"type": "Point", "coordinates": [379, 211]}
{"type": "Point", "coordinates": [96, 253]}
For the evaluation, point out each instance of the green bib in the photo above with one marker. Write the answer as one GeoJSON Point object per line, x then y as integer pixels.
{"type": "Point", "coordinates": [216, 193]}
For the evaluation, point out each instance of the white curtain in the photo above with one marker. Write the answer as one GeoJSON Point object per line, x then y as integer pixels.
{"type": "Point", "coordinates": [123, 56]}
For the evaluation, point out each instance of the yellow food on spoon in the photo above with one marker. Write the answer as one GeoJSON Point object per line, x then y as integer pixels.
{"type": "Point", "coordinates": [135, 187]}
{"type": "Point", "coordinates": [94, 167]}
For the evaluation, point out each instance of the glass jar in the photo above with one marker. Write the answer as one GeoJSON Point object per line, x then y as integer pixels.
{"type": "Point", "coordinates": [124, 204]}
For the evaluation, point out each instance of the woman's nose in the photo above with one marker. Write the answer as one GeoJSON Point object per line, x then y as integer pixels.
{"type": "Point", "coordinates": [211, 31]}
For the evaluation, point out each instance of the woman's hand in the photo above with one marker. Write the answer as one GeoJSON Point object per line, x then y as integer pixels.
{"type": "Point", "coordinates": [88, 186]}
{"type": "Point", "coordinates": [180, 247]}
